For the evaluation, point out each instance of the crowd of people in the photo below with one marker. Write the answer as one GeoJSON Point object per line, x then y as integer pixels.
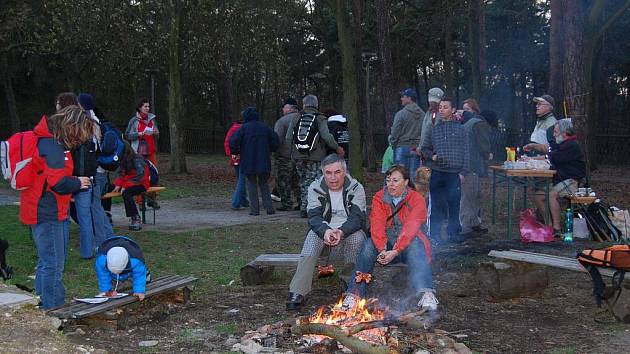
{"type": "Point", "coordinates": [72, 162]}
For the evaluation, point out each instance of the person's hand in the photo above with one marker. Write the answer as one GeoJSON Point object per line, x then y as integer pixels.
{"type": "Point", "coordinates": [339, 233]}
{"type": "Point", "coordinates": [85, 182]}
{"type": "Point", "coordinates": [340, 151]}
{"type": "Point", "coordinates": [434, 158]}
{"type": "Point", "coordinates": [461, 178]}
{"type": "Point", "coordinates": [331, 238]}
{"type": "Point", "coordinates": [490, 156]}
{"type": "Point", "coordinates": [111, 293]}
{"type": "Point", "coordinates": [236, 157]}
{"type": "Point", "coordinates": [386, 256]}
{"type": "Point", "coordinates": [140, 296]}
{"type": "Point", "coordinates": [147, 132]}
{"type": "Point", "coordinates": [117, 189]}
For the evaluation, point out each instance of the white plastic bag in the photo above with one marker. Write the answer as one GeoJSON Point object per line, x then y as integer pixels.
{"type": "Point", "coordinates": [580, 229]}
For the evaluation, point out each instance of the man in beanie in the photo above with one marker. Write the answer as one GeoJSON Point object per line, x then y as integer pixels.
{"type": "Point", "coordinates": [287, 179]}
{"type": "Point", "coordinates": [567, 159]}
{"type": "Point", "coordinates": [432, 116]}
{"type": "Point", "coordinates": [543, 131]}
{"type": "Point", "coordinates": [308, 164]}
{"type": "Point", "coordinates": [405, 134]}
{"type": "Point", "coordinates": [118, 259]}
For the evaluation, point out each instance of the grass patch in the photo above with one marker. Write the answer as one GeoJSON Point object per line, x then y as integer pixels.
{"type": "Point", "coordinates": [563, 350]}
{"type": "Point", "coordinates": [226, 328]}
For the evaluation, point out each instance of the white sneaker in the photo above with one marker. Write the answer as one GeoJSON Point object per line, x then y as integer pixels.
{"type": "Point", "coordinates": [349, 302]}
{"type": "Point", "coordinates": [428, 301]}
{"type": "Point", "coordinates": [275, 198]}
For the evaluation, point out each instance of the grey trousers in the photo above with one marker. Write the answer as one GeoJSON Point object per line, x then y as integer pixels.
{"type": "Point", "coordinates": [470, 205]}
{"type": "Point", "coordinates": [253, 182]}
{"type": "Point", "coordinates": [349, 247]}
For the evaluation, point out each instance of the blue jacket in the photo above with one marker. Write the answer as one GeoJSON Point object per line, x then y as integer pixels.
{"type": "Point", "coordinates": [254, 142]}
{"type": "Point", "coordinates": [135, 267]}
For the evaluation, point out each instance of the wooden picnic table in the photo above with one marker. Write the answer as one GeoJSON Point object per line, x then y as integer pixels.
{"type": "Point", "coordinates": [518, 177]}
{"type": "Point", "coordinates": [154, 189]}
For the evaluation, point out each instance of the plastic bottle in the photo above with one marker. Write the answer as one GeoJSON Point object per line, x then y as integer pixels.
{"type": "Point", "coordinates": [568, 225]}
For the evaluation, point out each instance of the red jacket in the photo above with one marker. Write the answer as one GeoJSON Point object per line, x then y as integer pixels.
{"type": "Point", "coordinates": [49, 196]}
{"type": "Point", "coordinates": [413, 214]}
{"type": "Point", "coordinates": [131, 177]}
{"type": "Point", "coordinates": [226, 143]}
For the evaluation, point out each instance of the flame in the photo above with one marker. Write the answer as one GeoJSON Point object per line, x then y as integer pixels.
{"type": "Point", "coordinates": [365, 310]}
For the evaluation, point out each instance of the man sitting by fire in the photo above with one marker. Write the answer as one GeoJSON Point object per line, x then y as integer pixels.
{"type": "Point", "coordinates": [336, 216]}
{"type": "Point", "coordinates": [398, 211]}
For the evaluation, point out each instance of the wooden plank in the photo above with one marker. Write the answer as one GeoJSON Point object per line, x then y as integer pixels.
{"type": "Point", "coordinates": [582, 200]}
{"type": "Point", "coordinates": [155, 189]}
{"type": "Point", "coordinates": [524, 173]}
{"type": "Point", "coordinates": [79, 310]}
{"type": "Point", "coordinates": [548, 260]}
{"type": "Point", "coordinates": [279, 260]}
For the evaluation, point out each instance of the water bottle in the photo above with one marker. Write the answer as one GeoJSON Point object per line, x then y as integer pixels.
{"type": "Point", "coordinates": [568, 226]}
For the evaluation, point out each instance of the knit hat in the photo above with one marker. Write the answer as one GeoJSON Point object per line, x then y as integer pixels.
{"type": "Point", "coordinates": [436, 94]}
{"type": "Point", "coordinates": [117, 259]}
{"type": "Point", "coordinates": [290, 101]}
{"type": "Point", "coordinates": [545, 99]}
{"type": "Point", "coordinates": [409, 92]}
{"type": "Point", "coordinates": [249, 114]}
{"type": "Point", "coordinates": [86, 101]}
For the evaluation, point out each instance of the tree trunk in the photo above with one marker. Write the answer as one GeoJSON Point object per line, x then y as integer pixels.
{"type": "Point", "coordinates": [175, 100]}
{"type": "Point", "coordinates": [449, 74]}
{"type": "Point", "coordinates": [225, 64]}
{"type": "Point", "coordinates": [575, 89]}
{"type": "Point", "coordinates": [350, 87]}
{"type": "Point", "coordinates": [7, 84]}
{"type": "Point", "coordinates": [474, 38]}
{"type": "Point", "coordinates": [388, 92]}
{"type": "Point", "coordinates": [556, 52]}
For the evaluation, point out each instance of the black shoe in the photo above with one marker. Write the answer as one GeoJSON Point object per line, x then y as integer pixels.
{"type": "Point", "coordinates": [303, 214]}
{"type": "Point", "coordinates": [253, 214]}
{"type": "Point", "coordinates": [480, 229]}
{"type": "Point", "coordinates": [295, 302]}
{"type": "Point", "coordinates": [459, 238]}
{"type": "Point", "coordinates": [297, 208]}
{"type": "Point", "coordinates": [271, 212]}
{"type": "Point", "coordinates": [284, 208]}
{"type": "Point", "coordinates": [6, 273]}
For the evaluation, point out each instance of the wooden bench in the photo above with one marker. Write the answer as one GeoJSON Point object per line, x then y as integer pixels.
{"type": "Point", "coordinates": [169, 288]}
{"type": "Point", "coordinates": [260, 269]}
{"type": "Point", "coordinates": [155, 189]}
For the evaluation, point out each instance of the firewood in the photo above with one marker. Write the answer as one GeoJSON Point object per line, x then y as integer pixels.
{"type": "Point", "coordinates": [356, 345]}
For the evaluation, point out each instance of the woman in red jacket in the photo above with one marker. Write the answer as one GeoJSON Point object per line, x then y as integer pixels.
{"type": "Point", "coordinates": [133, 180]}
{"type": "Point", "coordinates": [397, 214]}
{"type": "Point", "coordinates": [44, 205]}
{"type": "Point", "coordinates": [239, 197]}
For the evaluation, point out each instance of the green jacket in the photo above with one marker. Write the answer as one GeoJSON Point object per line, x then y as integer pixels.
{"type": "Point", "coordinates": [325, 138]}
{"type": "Point", "coordinates": [407, 126]}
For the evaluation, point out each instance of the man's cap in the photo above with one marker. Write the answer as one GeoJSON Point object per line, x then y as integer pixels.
{"type": "Point", "coordinates": [86, 101]}
{"type": "Point", "coordinates": [545, 99]}
{"type": "Point", "coordinates": [409, 92]}
{"type": "Point", "coordinates": [290, 101]}
{"type": "Point", "coordinates": [435, 95]}
{"type": "Point", "coordinates": [117, 259]}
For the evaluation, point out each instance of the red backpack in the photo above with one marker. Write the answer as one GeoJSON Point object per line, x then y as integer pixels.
{"type": "Point", "coordinates": [16, 155]}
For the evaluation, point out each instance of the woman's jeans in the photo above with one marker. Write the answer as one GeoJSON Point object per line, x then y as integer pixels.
{"type": "Point", "coordinates": [406, 156]}
{"type": "Point", "coordinates": [418, 268]}
{"type": "Point", "coordinates": [50, 242]}
{"type": "Point", "coordinates": [102, 227]}
{"type": "Point", "coordinates": [239, 198]}
{"type": "Point", "coordinates": [83, 205]}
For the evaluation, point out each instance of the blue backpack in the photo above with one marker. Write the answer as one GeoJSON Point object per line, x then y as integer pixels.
{"type": "Point", "coordinates": [112, 147]}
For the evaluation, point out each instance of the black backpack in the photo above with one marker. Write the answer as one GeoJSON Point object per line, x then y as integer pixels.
{"type": "Point", "coordinates": [306, 133]}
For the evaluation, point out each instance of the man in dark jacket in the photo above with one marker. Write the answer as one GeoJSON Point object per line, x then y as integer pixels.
{"type": "Point", "coordinates": [568, 161]}
{"type": "Point", "coordinates": [254, 143]}
{"type": "Point", "coordinates": [336, 217]}
{"type": "Point", "coordinates": [446, 151]}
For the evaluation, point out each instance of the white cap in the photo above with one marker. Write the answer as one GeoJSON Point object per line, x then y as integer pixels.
{"type": "Point", "coordinates": [435, 94]}
{"type": "Point", "coordinates": [117, 258]}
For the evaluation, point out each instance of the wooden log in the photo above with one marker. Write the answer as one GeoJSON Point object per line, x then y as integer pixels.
{"type": "Point", "coordinates": [356, 345]}
{"type": "Point", "coordinates": [252, 274]}
{"type": "Point", "coordinates": [510, 279]}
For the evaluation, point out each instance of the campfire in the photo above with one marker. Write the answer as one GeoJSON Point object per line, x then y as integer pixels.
{"type": "Point", "coordinates": [363, 321]}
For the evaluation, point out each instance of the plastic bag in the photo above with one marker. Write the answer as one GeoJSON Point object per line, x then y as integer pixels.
{"type": "Point", "coordinates": [621, 219]}
{"type": "Point", "coordinates": [532, 230]}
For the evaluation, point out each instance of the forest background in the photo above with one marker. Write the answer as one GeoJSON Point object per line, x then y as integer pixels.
{"type": "Point", "coordinates": [201, 62]}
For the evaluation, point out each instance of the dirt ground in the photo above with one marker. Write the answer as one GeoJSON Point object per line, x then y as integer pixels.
{"type": "Point", "coordinates": [562, 319]}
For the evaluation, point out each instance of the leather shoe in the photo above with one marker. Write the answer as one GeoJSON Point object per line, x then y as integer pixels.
{"type": "Point", "coordinates": [295, 302]}
{"type": "Point", "coordinates": [284, 208]}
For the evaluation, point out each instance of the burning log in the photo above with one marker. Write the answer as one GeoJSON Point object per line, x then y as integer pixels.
{"type": "Point", "coordinates": [342, 335]}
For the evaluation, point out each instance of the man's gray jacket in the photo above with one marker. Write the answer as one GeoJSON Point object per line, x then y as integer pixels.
{"type": "Point", "coordinates": [319, 207]}
{"type": "Point", "coordinates": [407, 126]}
{"type": "Point", "coordinates": [281, 128]}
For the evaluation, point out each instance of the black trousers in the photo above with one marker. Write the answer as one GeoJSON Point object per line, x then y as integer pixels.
{"type": "Point", "coordinates": [3, 248]}
{"type": "Point", "coordinates": [130, 204]}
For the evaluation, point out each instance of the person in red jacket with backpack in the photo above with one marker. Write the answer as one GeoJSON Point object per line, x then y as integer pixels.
{"type": "Point", "coordinates": [133, 180]}
{"type": "Point", "coordinates": [44, 205]}
{"type": "Point", "coordinates": [239, 198]}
